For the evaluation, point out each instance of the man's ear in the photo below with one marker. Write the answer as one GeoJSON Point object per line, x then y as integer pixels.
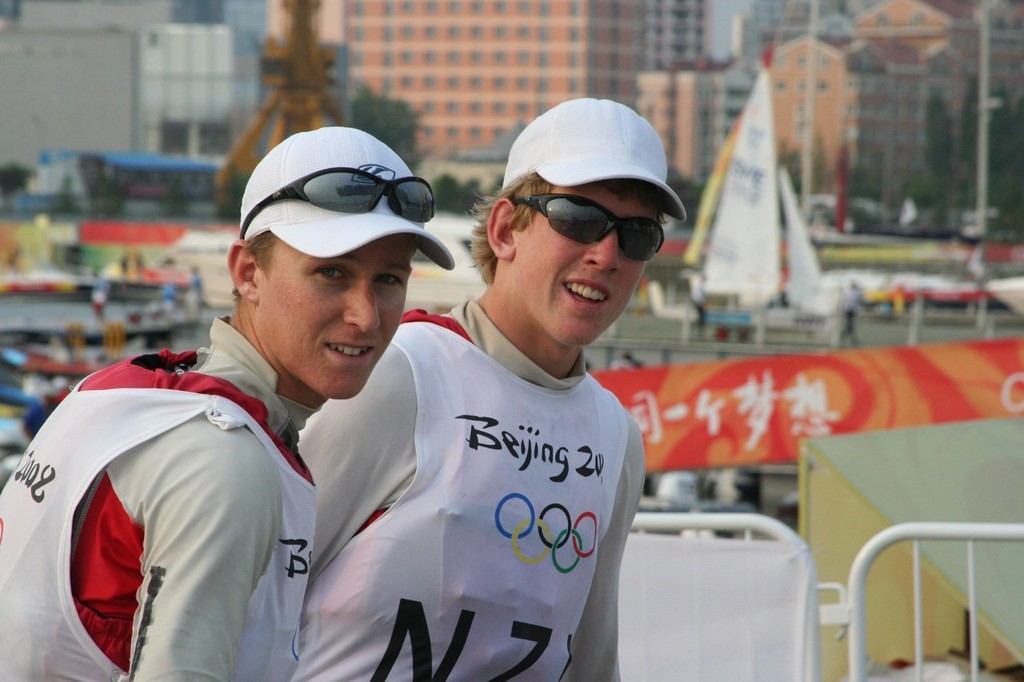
{"type": "Point", "coordinates": [500, 234]}
{"type": "Point", "coordinates": [242, 266]}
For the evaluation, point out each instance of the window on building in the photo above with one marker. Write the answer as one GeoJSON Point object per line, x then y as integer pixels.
{"type": "Point", "coordinates": [453, 132]}
{"type": "Point", "coordinates": [408, 31]}
{"type": "Point", "coordinates": [476, 107]}
{"type": "Point", "coordinates": [476, 82]}
{"type": "Point", "coordinates": [173, 137]}
{"type": "Point", "coordinates": [500, 31]}
{"type": "Point", "coordinates": [454, 31]}
{"type": "Point", "coordinates": [452, 107]}
{"type": "Point", "coordinates": [523, 57]}
{"type": "Point", "coordinates": [476, 57]}
{"type": "Point", "coordinates": [499, 107]}
{"type": "Point", "coordinates": [430, 57]}
{"type": "Point", "coordinates": [430, 82]}
{"type": "Point", "coordinates": [453, 82]}
{"type": "Point", "coordinates": [522, 83]}
{"type": "Point", "coordinates": [500, 81]}
{"type": "Point", "coordinates": [523, 109]}
{"type": "Point", "coordinates": [500, 57]}
{"type": "Point", "coordinates": [453, 57]}
{"type": "Point", "coordinates": [523, 32]}
{"type": "Point", "coordinates": [430, 31]}
{"type": "Point", "coordinates": [477, 31]}
{"type": "Point", "coordinates": [214, 138]}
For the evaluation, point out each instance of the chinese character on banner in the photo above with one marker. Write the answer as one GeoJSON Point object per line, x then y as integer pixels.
{"type": "Point", "coordinates": [809, 408]}
{"type": "Point", "coordinates": [757, 401]}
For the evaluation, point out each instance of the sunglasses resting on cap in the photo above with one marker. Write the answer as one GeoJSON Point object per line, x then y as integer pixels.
{"type": "Point", "coordinates": [351, 190]}
{"type": "Point", "coordinates": [586, 222]}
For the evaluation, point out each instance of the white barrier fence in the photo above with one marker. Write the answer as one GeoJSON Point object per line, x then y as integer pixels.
{"type": "Point", "coordinates": [747, 608]}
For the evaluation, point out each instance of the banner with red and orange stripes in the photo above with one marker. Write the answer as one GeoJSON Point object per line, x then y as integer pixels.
{"type": "Point", "coordinates": [756, 410]}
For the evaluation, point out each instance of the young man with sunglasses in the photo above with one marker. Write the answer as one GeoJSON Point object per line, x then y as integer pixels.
{"type": "Point", "coordinates": [160, 525]}
{"type": "Point", "coordinates": [475, 499]}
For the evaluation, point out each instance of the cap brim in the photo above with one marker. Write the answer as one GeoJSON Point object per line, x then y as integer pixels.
{"type": "Point", "coordinates": [339, 233]}
{"type": "Point", "coordinates": [581, 171]}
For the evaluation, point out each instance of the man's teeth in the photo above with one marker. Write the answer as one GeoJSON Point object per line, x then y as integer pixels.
{"type": "Point", "coordinates": [347, 350]}
{"type": "Point", "coordinates": [586, 292]}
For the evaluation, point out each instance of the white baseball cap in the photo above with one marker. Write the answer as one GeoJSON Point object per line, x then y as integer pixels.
{"type": "Point", "coordinates": [321, 232]}
{"type": "Point", "coordinates": [588, 140]}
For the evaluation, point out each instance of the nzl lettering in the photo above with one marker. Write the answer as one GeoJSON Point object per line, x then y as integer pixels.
{"type": "Point", "coordinates": [527, 447]}
{"type": "Point", "coordinates": [34, 476]}
{"type": "Point", "coordinates": [411, 623]}
{"type": "Point", "coordinates": [298, 564]}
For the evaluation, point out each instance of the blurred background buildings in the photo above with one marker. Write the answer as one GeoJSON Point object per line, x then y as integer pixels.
{"type": "Point", "coordinates": [183, 77]}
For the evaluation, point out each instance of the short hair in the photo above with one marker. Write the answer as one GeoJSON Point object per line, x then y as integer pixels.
{"type": "Point", "coordinates": [532, 183]}
{"type": "Point", "coordinates": [262, 249]}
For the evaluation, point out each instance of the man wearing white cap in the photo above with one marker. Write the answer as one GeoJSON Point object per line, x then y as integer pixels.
{"type": "Point", "coordinates": [476, 497]}
{"type": "Point", "coordinates": [160, 525]}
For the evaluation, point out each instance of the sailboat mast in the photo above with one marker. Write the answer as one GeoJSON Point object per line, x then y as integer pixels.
{"type": "Point", "coordinates": [984, 114]}
{"type": "Point", "coordinates": [810, 90]}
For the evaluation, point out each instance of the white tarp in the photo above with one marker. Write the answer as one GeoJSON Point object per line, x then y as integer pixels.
{"type": "Point", "coordinates": [717, 609]}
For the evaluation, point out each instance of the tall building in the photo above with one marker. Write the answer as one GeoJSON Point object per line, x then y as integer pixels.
{"type": "Point", "coordinates": [675, 31]}
{"type": "Point", "coordinates": [475, 69]}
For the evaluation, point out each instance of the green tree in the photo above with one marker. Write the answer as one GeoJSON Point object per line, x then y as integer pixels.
{"type": "Point", "coordinates": [453, 196]}
{"type": "Point", "coordinates": [939, 160]}
{"type": "Point", "coordinates": [13, 178]}
{"type": "Point", "coordinates": [391, 121]}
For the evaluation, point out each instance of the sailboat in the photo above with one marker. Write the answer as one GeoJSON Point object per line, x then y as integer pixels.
{"type": "Point", "coordinates": [742, 261]}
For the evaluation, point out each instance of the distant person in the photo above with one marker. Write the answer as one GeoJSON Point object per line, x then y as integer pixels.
{"type": "Point", "coordinates": [160, 525]}
{"type": "Point", "coordinates": [99, 297]}
{"type": "Point", "coordinates": [476, 498]}
{"type": "Point", "coordinates": [194, 295]}
{"type": "Point", "coordinates": [852, 301]}
{"type": "Point", "coordinates": [697, 297]}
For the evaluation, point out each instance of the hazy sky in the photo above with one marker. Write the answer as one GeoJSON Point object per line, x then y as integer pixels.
{"type": "Point", "coordinates": [721, 23]}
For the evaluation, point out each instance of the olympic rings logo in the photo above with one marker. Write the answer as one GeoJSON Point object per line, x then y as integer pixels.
{"type": "Point", "coordinates": [553, 542]}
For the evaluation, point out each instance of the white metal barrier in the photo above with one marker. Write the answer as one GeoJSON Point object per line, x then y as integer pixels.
{"type": "Point", "coordinates": [916, 532]}
{"type": "Point", "coordinates": [743, 608]}
{"type": "Point", "coordinates": [850, 607]}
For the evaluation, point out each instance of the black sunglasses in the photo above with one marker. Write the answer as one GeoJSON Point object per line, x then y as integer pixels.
{"type": "Point", "coordinates": [353, 190]}
{"type": "Point", "coordinates": [586, 222]}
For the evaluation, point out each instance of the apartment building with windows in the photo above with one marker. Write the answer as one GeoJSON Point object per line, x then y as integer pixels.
{"type": "Point", "coordinates": [693, 110]}
{"type": "Point", "coordinates": [675, 32]}
{"type": "Point", "coordinates": [475, 69]}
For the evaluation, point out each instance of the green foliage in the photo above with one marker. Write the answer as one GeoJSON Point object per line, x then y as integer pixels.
{"type": "Point", "coordinates": [13, 179]}
{"type": "Point", "coordinates": [391, 121]}
{"type": "Point", "coordinates": [453, 196]}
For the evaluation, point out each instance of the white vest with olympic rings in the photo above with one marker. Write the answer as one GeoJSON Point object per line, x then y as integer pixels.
{"type": "Point", "coordinates": [480, 571]}
{"type": "Point", "coordinates": [41, 634]}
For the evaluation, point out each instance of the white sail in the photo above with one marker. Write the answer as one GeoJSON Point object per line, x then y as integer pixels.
{"type": "Point", "coordinates": [805, 289]}
{"type": "Point", "coordinates": [743, 255]}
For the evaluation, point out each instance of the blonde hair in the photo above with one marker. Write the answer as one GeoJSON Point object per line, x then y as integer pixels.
{"type": "Point", "coordinates": [483, 255]}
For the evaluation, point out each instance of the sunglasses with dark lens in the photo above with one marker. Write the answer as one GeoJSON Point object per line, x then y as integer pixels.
{"type": "Point", "coordinates": [352, 190]}
{"type": "Point", "coordinates": [586, 222]}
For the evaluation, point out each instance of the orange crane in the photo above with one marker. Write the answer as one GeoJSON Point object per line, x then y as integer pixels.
{"type": "Point", "coordinates": [297, 72]}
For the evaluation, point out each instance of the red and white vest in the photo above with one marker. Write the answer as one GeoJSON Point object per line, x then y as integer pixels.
{"type": "Point", "coordinates": [41, 635]}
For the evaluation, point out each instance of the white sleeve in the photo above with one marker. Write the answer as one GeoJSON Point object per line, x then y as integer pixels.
{"type": "Point", "coordinates": [361, 454]}
{"type": "Point", "coordinates": [595, 646]}
{"type": "Point", "coordinates": [209, 502]}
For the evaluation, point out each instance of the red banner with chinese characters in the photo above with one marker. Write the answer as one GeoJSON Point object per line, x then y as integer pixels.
{"type": "Point", "coordinates": [756, 410]}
